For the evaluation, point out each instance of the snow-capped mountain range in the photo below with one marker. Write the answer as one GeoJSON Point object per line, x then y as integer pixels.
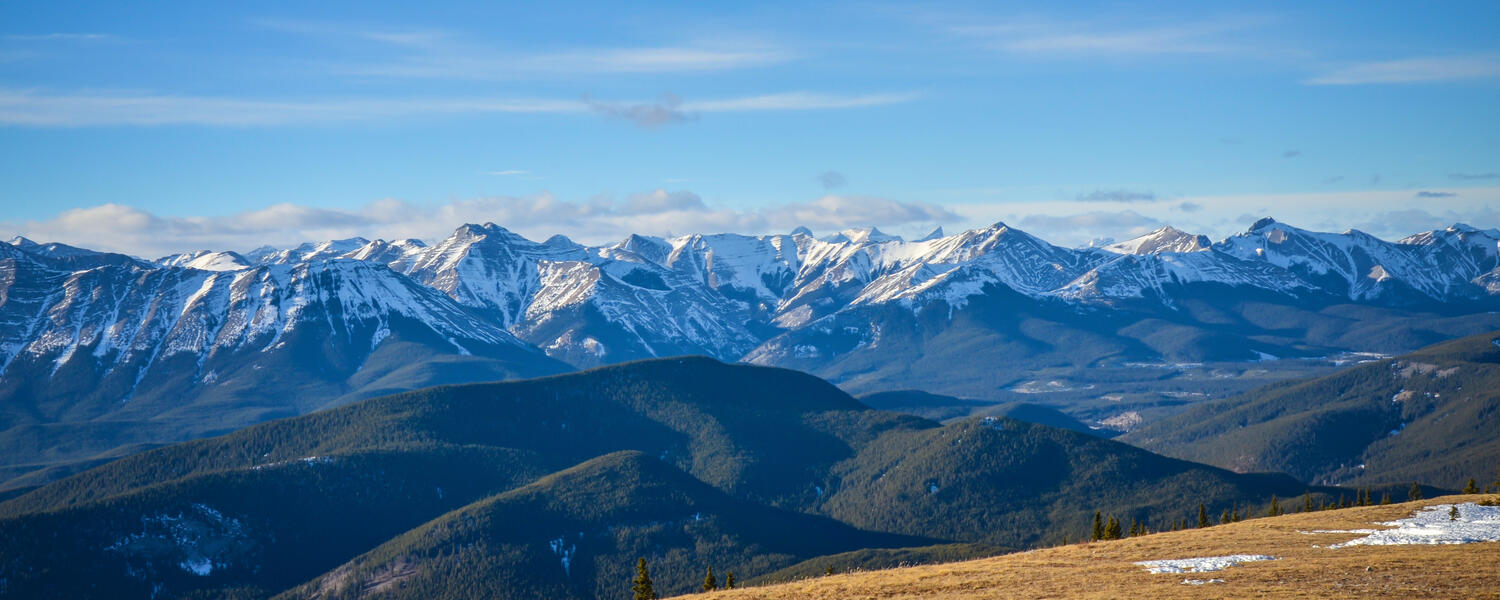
{"type": "Point", "coordinates": [104, 351]}
{"type": "Point", "coordinates": [720, 295]}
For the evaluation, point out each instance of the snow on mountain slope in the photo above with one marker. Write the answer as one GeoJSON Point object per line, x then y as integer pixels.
{"type": "Point", "coordinates": [206, 260]}
{"type": "Point", "coordinates": [309, 252]}
{"type": "Point", "coordinates": [134, 318]}
{"type": "Point", "coordinates": [961, 265]}
{"type": "Point", "coordinates": [753, 270]}
{"type": "Point", "coordinates": [487, 266]}
{"type": "Point", "coordinates": [399, 255]}
{"type": "Point", "coordinates": [1366, 267]}
{"type": "Point", "coordinates": [1155, 274]}
{"type": "Point", "coordinates": [1166, 239]}
{"type": "Point", "coordinates": [594, 312]}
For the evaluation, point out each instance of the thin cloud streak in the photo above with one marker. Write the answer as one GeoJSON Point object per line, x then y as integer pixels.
{"type": "Point", "coordinates": [1071, 39]}
{"type": "Point", "coordinates": [431, 54]}
{"type": "Point", "coordinates": [38, 109]}
{"type": "Point", "coordinates": [1413, 70]}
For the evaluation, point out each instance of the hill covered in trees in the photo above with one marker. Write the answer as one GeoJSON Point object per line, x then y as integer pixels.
{"type": "Point", "coordinates": [1430, 416]}
{"type": "Point", "coordinates": [565, 480]}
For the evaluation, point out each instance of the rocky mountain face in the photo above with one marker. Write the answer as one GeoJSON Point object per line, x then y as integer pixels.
{"type": "Point", "coordinates": [88, 335]}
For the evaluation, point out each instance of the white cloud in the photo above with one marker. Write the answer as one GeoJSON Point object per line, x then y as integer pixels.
{"type": "Point", "coordinates": [122, 228]}
{"type": "Point", "coordinates": [429, 54]}
{"type": "Point", "coordinates": [1414, 70]}
{"type": "Point", "coordinates": [1114, 39]}
{"type": "Point", "coordinates": [39, 109]}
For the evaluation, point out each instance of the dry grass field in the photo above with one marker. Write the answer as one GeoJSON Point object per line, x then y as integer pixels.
{"type": "Point", "coordinates": [1306, 567]}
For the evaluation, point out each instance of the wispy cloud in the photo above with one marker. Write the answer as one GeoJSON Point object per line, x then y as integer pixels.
{"type": "Point", "coordinates": [1291, 154]}
{"type": "Point", "coordinates": [1332, 180]}
{"type": "Point", "coordinates": [40, 109]}
{"type": "Point", "coordinates": [434, 54]}
{"type": "Point", "coordinates": [1430, 194]}
{"type": "Point", "coordinates": [57, 37]}
{"type": "Point", "coordinates": [1471, 176]}
{"type": "Point", "coordinates": [1078, 39]}
{"type": "Point", "coordinates": [1117, 196]}
{"type": "Point", "coordinates": [1414, 70]}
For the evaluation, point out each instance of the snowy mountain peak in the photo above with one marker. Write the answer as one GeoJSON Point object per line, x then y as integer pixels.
{"type": "Point", "coordinates": [1165, 239]}
{"type": "Point", "coordinates": [206, 260]}
{"type": "Point", "coordinates": [1262, 223]}
{"type": "Point", "coordinates": [862, 235]}
{"type": "Point", "coordinates": [802, 231]}
{"type": "Point", "coordinates": [935, 235]}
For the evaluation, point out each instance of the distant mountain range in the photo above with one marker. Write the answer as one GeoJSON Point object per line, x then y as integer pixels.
{"type": "Point", "coordinates": [102, 353]}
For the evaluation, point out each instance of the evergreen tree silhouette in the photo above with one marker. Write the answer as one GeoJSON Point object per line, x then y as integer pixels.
{"type": "Point", "coordinates": [729, 581]}
{"type": "Point", "coordinates": [1415, 493]}
{"type": "Point", "coordinates": [642, 584]}
{"type": "Point", "coordinates": [1202, 516]}
{"type": "Point", "coordinates": [1098, 527]}
{"type": "Point", "coordinates": [1472, 488]}
{"type": "Point", "coordinates": [710, 583]}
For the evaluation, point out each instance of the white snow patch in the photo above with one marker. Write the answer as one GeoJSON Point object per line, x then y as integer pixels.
{"type": "Point", "coordinates": [1433, 525]}
{"type": "Point", "coordinates": [1201, 565]}
{"type": "Point", "coordinates": [1201, 581]}
{"type": "Point", "coordinates": [198, 566]}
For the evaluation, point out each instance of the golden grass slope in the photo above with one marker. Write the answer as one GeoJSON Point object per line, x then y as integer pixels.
{"type": "Point", "coordinates": [1305, 569]}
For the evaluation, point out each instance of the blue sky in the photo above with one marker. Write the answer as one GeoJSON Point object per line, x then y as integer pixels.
{"type": "Point", "coordinates": [162, 127]}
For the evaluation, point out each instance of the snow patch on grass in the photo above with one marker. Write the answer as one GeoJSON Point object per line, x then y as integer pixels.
{"type": "Point", "coordinates": [1435, 525]}
{"type": "Point", "coordinates": [1201, 565]}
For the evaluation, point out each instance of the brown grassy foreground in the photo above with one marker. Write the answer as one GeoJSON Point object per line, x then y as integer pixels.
{"type": "Point", "coordinates": [1106, 569]}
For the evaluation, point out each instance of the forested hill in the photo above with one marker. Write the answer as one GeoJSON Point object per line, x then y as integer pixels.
{"type": "Point", "coordinates": [688, 461]}
{"type": "Point", "coordinates": [1431, 416]}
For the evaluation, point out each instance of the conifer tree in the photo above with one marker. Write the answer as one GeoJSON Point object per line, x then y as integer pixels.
{"type": "Point", "coordinates": [642, 584]}
{"type": "Point", "coordinates": [1453, 513]}
{"type": "Point", "coordinates": [1307, 502]}
{"type": "Point", "coordinates": [1225, 518]}
{"type": "Point", "coordinates": [1098, 527]}
{"type": "Point", "coordinates": [829, 571]}
{"type": "Point", "coordinates": [1416, 492]}
{"type": "Point", "coordinates": [710, 583]}
{"type": "Point", "coordinates": [1202, 516]}
{"type": "Point", "coordinates": [1112, 530]}
{"type": "Point", "coordinates": [1385, 498]}
{"type": "Point", "coordinates": [729, 581]}
{"type": "Point", "coordinates": [1275, 507]}
{"type": "Point", "coordinates": [1472, 488]}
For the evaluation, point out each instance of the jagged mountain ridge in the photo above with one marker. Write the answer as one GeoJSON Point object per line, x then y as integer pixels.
{"type": "Point", "coordinates": [725, 294]}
